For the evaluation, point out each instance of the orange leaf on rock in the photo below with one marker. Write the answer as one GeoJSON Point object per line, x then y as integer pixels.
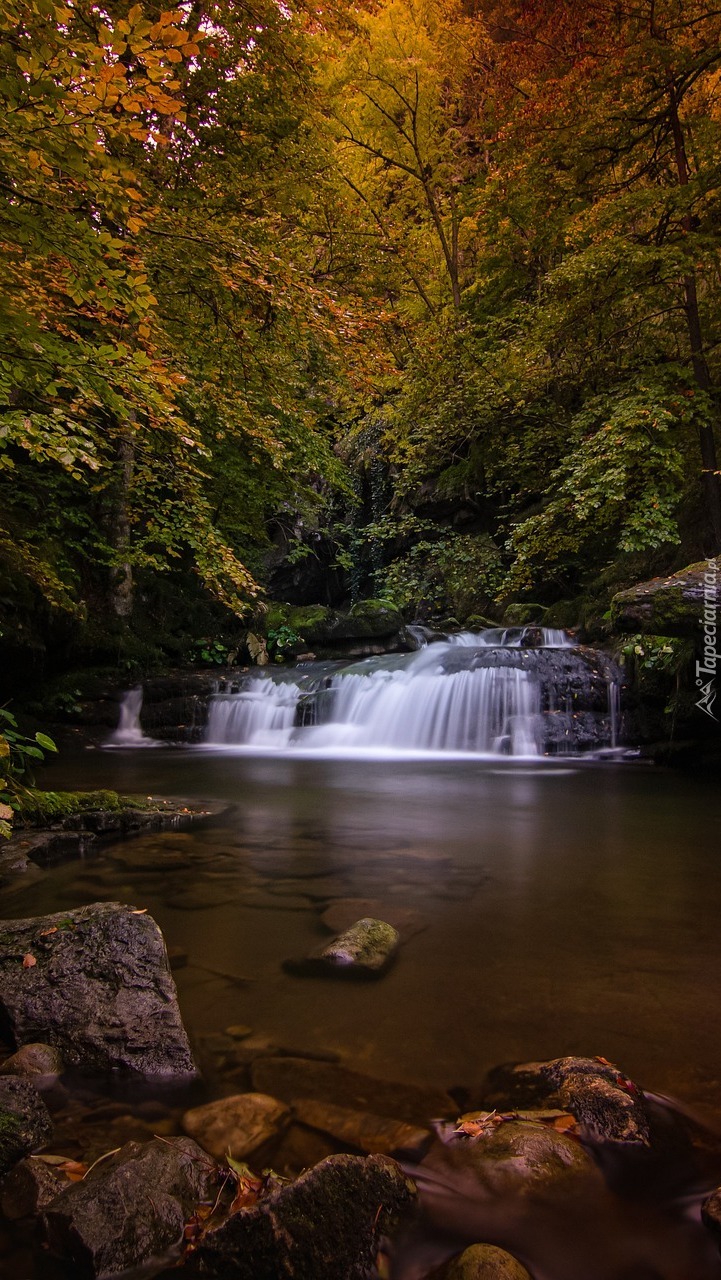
{"type": "Point", "coordinates": [28, 961]}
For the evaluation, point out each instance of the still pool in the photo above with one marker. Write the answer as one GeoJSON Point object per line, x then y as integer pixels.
{"type": "Point", "coordinates": [569, 908]}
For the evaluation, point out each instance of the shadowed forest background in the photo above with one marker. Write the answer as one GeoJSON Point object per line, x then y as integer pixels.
{"type": "Point", "coordinates": [415, 299]}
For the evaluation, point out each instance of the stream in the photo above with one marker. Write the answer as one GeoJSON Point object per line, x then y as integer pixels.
{"type": "Point", "coordinates": [562, 906]}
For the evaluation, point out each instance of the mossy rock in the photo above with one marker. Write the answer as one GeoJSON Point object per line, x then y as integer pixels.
{"type": "Point", "coordinates": [40, 807]}
{"type": "Point", "coordinates": [521, 615]}
{"type": "Point", "coordinates": [316, 624]}
{"type": "Point", "coordinates": [670, 606]}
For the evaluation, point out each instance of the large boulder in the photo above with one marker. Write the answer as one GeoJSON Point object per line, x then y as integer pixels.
{"type": "Point", "coordinates": [317, 625]}
{"type": "Point", "coordinates": [95, 984]}
{"type": "Point", "coordinates": [670, 606]}
{"type": "Point", "coordinates": [326, 1225]}
{"type": "Point", "coordinates": [132, 1207]}
{"type": "Point", "coordinates": [25, 1123]}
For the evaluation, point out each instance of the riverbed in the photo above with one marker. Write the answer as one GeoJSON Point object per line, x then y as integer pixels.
{"type": "Point", "coordinates": [558, 908]}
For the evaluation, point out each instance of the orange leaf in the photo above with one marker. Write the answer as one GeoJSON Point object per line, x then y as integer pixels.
{"type": "Point", "coordinates": [28, 961]}
{"type": "Point", "coordinates": [75, 1170]}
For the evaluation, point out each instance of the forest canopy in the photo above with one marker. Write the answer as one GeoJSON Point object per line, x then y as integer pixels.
{"type": "Point", "coordinates": [410, 298]}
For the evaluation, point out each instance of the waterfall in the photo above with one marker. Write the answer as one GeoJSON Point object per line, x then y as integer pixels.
{"type": "Point", "coordinates": [489, 694]}
{"type": "Point", "coordinates": [129, 732]}
{"type": "Point", "coordinates": [614, 710]}
{"type": "Point", "coordinates": [503, 637]}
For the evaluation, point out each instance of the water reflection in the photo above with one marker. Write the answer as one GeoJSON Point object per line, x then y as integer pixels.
{"type": "Point", "coordinates": [566, 909]}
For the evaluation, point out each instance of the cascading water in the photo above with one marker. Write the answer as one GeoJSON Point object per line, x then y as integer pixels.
{"type": "Point", "coordinates": [518, 692]}
{"type": "Point", "coordinates": [129, 732]}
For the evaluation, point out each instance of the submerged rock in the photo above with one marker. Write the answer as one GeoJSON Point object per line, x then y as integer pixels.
{"type": "Point", "coordinates": [292, 1078]}
{"type": "Point", "coordinates": [376, 1135]}
{"type": "Point", "coordinates": [25, 1123]}
{"type": "Point", "coordinates": [95, 984]}
{"type": "Point", "coordinates": [132, 1207]}
{"type": "Point", "coordinates": [366, 950]}
{"type": "Point", "coordinates": [237, 1125]}
{"type": "Point", "coordinates": [327, 1225]}
{"type": "Point", "coordinates": [343, 913]}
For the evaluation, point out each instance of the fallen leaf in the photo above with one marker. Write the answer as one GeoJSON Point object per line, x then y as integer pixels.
{"type": "Point", "coordinates": [75, 1170]}
{"type": "Point", "coordinates": [28, 961]}
{"type": "Point", "coordinates": [142, 912]}
{"type": "Point", "coordinates": [478, 1123]}
{"type": "Point", "coordinates": [46, 932]}
{"type": "Point", "coordinates": [563, 1124]}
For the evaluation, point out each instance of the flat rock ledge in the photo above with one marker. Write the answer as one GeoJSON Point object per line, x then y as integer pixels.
{"type": "Point", "coordinates": [72, 837]}
{"type": "Point", "coordinates": [95, 984]}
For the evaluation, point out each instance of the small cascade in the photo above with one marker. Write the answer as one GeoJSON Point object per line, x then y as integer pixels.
{"type": "Point", "coordinates": [531, 637]}
{"type": "Point", "coordinates": [614, 711]}
{"type": "Point", "coordinates": [490, 693]}
{"type": "Point", "coordinates": [129, 732]}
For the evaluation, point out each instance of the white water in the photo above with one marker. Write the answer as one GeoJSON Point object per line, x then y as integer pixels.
{"type": "Point", "coordinates": [129, 732]}
{"type": "Point", "coordinates": [402, 703]}
{"type": "Point", "coordinates": [512, 638]}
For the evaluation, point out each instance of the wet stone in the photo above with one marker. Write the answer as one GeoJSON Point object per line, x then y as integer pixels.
{"type": "Point", "coordinates": [365, 950]}
{"type": "Point", "coordinates": [29, 1188]}
{"type": "Point", "coordinates": [236, 1125]}
{"type": "Point", "coordinates": [100, 990]}
{"type": "Point", "coordinates": [130, 1208]}
{"type": "Point", "coordinates": [482, 1262]}
{"type": "Point", "coordinates": [25, 1123]}
{"type": "Point", "coordinates": [608, 1111]}
{"type": "Point", "coordinates": [326, 1225]}
{"type": "Point", "coordinates": [33, 1060]}
{"type": "Point", "coordinates": [369, 1133]}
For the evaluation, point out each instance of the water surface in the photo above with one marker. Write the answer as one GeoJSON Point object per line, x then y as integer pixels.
{"type": "Point", "coordinates": [568, 908]}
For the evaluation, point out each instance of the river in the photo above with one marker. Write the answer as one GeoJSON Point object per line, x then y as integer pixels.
{"type": "Point", "coordinates": [568, 907]}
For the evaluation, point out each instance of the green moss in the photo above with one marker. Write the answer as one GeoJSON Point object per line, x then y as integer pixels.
{"type": "Point", "coordinates": [373, 609]}
{"type": "Point", "coordinates": [40, 808]}
{"type": "Point", "coordinates": [520, 615]}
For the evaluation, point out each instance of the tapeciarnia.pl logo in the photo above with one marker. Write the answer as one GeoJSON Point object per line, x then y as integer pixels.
{"type": "Point", "coordinates": [706, 670]}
